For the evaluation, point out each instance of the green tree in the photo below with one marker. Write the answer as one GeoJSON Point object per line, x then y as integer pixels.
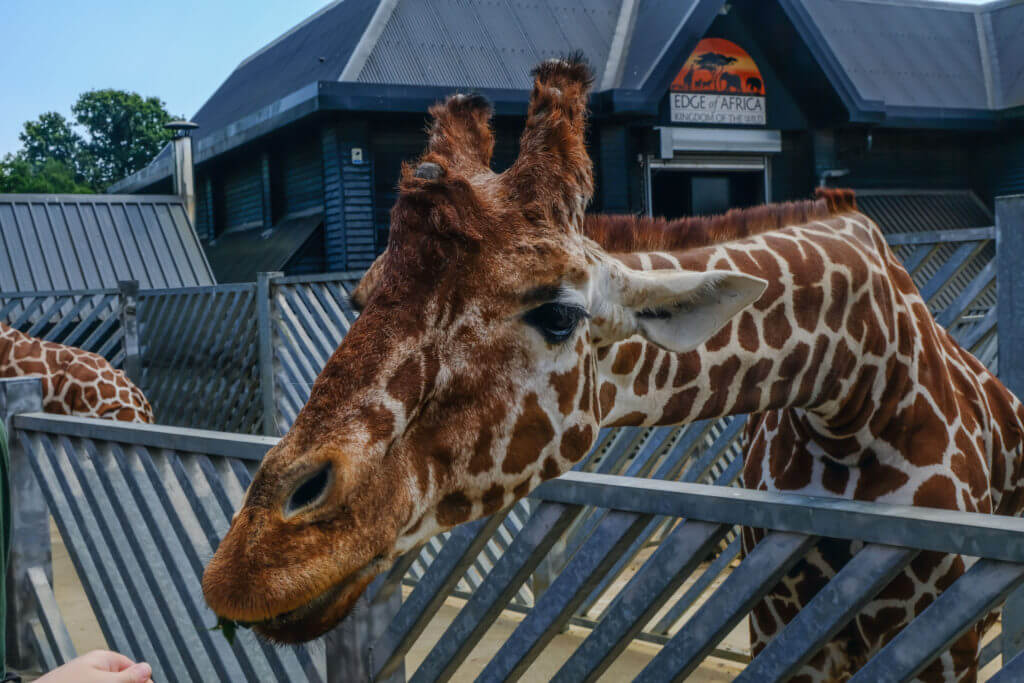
{"type": "Point", "coordinates": [124, 131]}
{"type": "Point", "coordinates": [50, 137]}
{"type": "Point", "coordinates": [18, 175]}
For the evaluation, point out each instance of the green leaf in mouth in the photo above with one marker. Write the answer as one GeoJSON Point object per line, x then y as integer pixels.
{"type": "Point", "coordinates": [228, 628]}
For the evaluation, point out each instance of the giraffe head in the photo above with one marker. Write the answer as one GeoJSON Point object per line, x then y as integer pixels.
{"type": "Point", "coordinates": [470, 375]}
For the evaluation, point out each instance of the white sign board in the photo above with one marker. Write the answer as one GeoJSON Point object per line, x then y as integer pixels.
{"type": "Point", "coordinates": [748, 110]}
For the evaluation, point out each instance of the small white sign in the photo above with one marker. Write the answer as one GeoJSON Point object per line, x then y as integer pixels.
{"type": "Point", "coordinates": [741, 110]}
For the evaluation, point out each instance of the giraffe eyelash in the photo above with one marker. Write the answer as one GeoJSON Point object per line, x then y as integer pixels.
{"type": "Point", "coordinates": [556, 321]}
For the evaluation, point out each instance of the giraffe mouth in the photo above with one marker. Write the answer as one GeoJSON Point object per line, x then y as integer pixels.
{"type": "Point", "coordinates": [322, 613]}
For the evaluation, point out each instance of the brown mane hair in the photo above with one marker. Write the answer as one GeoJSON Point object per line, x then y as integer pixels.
{"type": "Point", "coordinates": [629, 233]}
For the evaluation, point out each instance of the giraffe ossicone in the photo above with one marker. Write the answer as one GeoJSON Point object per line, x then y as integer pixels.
{"type": "Point", "coordinates": [502, 328]}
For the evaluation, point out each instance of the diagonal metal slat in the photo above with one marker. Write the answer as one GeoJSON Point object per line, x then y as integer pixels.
{"type": "Point", "coordinates": [748, 583]}
{"type": "Point", "coordinates": [548, 522]}
{"type": "Point", "coordinates": [674, 560]}
{"type": "Point", "coordinates": [555, 607]}
{"type": "Point", "coordinates": [830, 610]}
{"type": "Point", "coordinates": [955, 610]}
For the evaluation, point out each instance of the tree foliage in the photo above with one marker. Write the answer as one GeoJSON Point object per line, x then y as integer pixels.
{"type": "Point", "coordinates": [124, 132]}
{"type": "Point", "coordinates": [18, 175]}
{"type": "Point", "coordinates": [114, 134]}
{"type": "Point", "coordinates": [51, 136]}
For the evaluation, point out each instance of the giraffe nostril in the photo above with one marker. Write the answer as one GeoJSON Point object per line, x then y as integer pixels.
{"type": "Point", "coordinates": [309, 491]}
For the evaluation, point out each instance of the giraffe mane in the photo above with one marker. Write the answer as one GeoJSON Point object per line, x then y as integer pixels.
{"type": "Point", "coordinates": [630, 233]}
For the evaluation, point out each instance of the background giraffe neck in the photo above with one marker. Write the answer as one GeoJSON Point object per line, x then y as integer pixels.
{"type": "Point", "coordinates": [834, 334]}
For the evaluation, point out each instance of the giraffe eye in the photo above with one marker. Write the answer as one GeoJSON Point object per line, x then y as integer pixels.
{"type": "Point", "coordinates": [309, 491]}
{"type": "Point", "coordinates": [555, 321]}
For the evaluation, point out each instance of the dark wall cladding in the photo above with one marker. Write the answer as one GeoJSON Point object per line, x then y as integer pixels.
{"type": "Point", "coordinates": [205, 221]}
{"type": "Point", "coordinates": [301, 176]}
{"type": "Point", "coordinates": [242, 194]}
{"type": "Point", "coordinates": [904, 158]}
{"type": "Point", "coordinates": [998, 165]}
{"type": "Point", "coordinates": [792, 172]}
{"type": "Point", "coordinates": [392, 143]}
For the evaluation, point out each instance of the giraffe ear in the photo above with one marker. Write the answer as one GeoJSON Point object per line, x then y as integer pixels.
{"type": "Point", "coordinates": [676, 310]}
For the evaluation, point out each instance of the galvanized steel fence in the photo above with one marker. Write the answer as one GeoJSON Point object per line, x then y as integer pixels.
{"type": "Point", "coordinates": [242, 358]}
{"type": "Point", "coordinates": [236, 358]}
{"type": "Point", "coordinates": [88, 319]}
{"type": "Point", "coordinates": [198, 351]}
{"type": "Point", "coordinates": [141, 509]}
{"type": "Point", "coordinates": [310, 316]}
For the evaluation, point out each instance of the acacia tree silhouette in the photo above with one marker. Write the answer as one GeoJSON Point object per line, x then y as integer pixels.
{"type": "Point", "coordinates": [714, 63]}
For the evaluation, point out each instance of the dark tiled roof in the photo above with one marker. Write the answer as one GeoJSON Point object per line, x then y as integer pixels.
{"type": "Point", "coordinates": [239, 256]}
{"type": "Point", "coordinates": [931, 58]}
{"type": "Point", "coordinates": [59, 242]}
{"type": "Point", "coordinates": [1007, 26]}
{"type": "Point", "coordinates": [887, 58]}
{"type": "Point", "coordinates": [315, 50]}
{"type": "Point", "coordinates": [481, 44]}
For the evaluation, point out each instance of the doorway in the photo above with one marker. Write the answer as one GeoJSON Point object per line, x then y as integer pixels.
{"type": "Point", "coordinates": [705, 187]}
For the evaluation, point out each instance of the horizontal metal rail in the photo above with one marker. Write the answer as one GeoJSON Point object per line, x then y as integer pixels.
{"type": "Point", "coordinates": [966, 533]}
{"type": "Point", "coordinates": [240, 446]}
{"type": "Point", "coordinates": [942, 236]}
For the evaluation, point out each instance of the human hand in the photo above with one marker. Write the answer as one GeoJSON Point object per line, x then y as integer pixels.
{"type": "Point", "coordinates": [100, 666]}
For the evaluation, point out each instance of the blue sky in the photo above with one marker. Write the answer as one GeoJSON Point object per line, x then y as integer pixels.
{"type": "Point", "coordinates": [179, 51]}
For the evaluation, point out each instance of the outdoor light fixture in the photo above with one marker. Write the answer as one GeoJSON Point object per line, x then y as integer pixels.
{"type": "Point", "coordinates": [181, 129]}
{"type": "Point", "coordinates": [828, 173]}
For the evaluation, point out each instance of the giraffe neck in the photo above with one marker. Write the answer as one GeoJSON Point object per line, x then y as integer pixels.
{"type": "Point", "coordinates": [834, 336]}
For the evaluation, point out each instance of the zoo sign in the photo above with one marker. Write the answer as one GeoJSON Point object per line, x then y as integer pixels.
{"type": "Point", "coordinates": [718, 84]}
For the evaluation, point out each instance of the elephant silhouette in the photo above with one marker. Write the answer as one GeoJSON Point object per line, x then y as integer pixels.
{"type": "Point", "coordinates": [688, 79]}
{"type": "Point", "coordinates": [754, 84]}
{"type": "Point", "coordinates": [704, 84]}
{"type": "Point", "coordinates": [732, 82]}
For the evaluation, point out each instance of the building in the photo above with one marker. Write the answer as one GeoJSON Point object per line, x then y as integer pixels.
{"type": "Point", "coordinates": [699, 105]}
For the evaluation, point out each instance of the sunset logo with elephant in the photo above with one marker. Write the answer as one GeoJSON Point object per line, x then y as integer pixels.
{"type": "Point", "coordinates": [720, 84]}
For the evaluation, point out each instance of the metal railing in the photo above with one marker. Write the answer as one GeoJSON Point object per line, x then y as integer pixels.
{"type": "Point", "coordinates": [141, 508]}
{"type": "Point", "coordinates": [88, 319]}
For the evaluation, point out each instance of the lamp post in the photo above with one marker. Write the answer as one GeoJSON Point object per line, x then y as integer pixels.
{"type": "Point", "coordinates": [184, 178]}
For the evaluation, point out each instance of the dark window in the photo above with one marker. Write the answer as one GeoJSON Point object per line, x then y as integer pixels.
{"type": "Point", "coordinates": [677, 193]}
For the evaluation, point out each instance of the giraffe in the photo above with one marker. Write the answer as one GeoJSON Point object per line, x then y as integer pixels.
{"type": "Point", "coordinates": [856, 392]}
{"type": "Point", "coordinates": [500, 329]}
{"type": "Point", "coordinates": [75, 382]}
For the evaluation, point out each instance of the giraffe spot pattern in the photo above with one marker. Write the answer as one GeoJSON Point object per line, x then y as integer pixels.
{"type": "Point", "coordinates": [531, 434]}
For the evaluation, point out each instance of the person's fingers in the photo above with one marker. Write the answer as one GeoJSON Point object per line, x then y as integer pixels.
{"type": "Point", "coordinates": [105, 660]}
{"type": "Point", "coordinates": [136, 673]}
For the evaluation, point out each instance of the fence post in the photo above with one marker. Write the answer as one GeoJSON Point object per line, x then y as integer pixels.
{"type": "Point", "coordinates": [30, 525]}
{"type": "Point", "coordinates": [1010, 312]}
{"type": "Point", "coordinates": [128, 296]}
{"type": "Point", "coordinates": [349, 647]}
{"type": "Point", "coordinates": [265, 320]}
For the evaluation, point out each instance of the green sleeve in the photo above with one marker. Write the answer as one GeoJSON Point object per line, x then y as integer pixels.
{"type": "Point", "coordinates": [5, 540]}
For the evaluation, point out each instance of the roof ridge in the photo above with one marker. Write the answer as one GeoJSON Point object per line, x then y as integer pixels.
{"type": "Point", "coordinates": [368, 41]}
{"type": "Point", "coordinates": [616, 60]}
